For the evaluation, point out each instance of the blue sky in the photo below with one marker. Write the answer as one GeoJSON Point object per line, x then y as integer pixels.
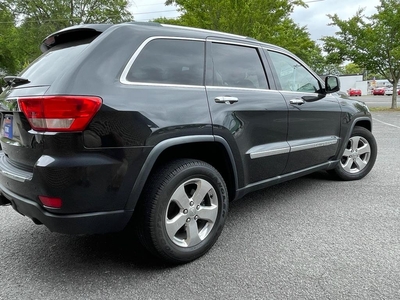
{"type": "Point", "coordinates": [314, 17]}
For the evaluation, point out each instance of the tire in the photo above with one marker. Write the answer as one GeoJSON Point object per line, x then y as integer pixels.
{"type": "Point", "coordinates": [358, 157]}
{"type": "Point", "coordinates": [182, 210]}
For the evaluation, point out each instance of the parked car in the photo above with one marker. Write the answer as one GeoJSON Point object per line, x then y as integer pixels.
{"type": "Point", "coordinates": [154, 129]}
{"type": "Point", "coordinates": [354, 92]}
{"type": "Point", "coordinates": [389, 91]}
{"type": "Point", "coordinates": [378, 91]}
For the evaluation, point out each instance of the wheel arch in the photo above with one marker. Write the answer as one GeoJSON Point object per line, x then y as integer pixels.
{"type": "Point", "coordinates": [356, 164]}
{"type": "Point", "coordinates": [211, 149]}
{"type": "Point", "coordinates": [365, 122]}
{"type": "Point", "coordinates": [362, 122]}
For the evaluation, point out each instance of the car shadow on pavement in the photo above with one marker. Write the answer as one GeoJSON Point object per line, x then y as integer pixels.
{"type": "Point", "coordinates": [116, 248]}
{"type": "Point", "coordinates": [125, 248]}
{"type": "Point", "coordinates": [116, 251]}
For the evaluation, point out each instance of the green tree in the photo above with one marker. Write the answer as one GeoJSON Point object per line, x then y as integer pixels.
{"type": "Point", "coordinates": [38, 18]}
{"type": "Point", "coordinates": [8, 51]}
{"type": "Point", "coordinates": [371, 42]}
{"type": "Point", "coordinates": [265, 20]}
{"type": "Point", "coordinates": [352, 68]}
{"type": "Point", "coordinates": [333, 69]}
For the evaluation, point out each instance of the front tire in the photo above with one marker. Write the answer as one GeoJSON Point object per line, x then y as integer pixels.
{"type": "Point", "coordinates": [182, 210]}
{"type": "Point", "coordinates": [358, 157]}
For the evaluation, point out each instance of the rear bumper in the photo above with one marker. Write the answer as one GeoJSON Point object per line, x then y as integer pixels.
{"type": "Point", "coordinates": [87, 223]}
{"type": "Point", "coordinates": [93, 196]}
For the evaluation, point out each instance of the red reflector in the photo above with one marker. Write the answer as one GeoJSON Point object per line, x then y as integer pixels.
{"type": "Point", "coordinates": [59, 113]}
{"type": "Point", "coordinates": [52, 202]}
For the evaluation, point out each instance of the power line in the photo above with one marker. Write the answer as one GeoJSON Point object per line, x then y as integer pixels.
{"type": "Point", "coordinates": [141, 5]}
{"type": "Point", "coordinates": [66, 19]}
{"type": "Point", "coordinates": [153, 12]}
{"type": "Point", "coordinates": [133, 14]}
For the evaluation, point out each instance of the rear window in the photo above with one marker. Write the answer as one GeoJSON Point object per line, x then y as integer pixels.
{"type": "Point", "coordinates": [47, 67]}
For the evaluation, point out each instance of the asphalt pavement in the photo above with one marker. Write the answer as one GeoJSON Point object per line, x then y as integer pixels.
{"type": "Point", "coordinates": [310, 238]}
{"type": "Point", "coordinates": [377, 101]}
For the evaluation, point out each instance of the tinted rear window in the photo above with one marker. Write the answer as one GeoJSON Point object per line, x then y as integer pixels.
{"type": "Point", "coordinates": [45, 69]}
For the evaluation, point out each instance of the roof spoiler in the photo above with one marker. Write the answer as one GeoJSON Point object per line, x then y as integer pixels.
{"type": "Point", "coordinates": [73, 33]}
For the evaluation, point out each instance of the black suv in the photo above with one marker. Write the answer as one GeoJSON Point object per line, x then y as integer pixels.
{"type": "Point", "coordinates": [159, 127]}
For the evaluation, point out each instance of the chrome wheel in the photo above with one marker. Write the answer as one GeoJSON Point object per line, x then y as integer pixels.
{"type": "Point", "coordinates": [191, 212]}
{"type": "Point", "coordinates": [356, 155]}
{"type": "Point", "coordinates": [182, 210]}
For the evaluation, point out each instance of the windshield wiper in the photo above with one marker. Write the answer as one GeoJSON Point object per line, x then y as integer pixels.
{"type": "Point", "coordinates": [15, 80]}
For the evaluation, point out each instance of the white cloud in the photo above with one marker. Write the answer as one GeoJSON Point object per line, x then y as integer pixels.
{"type": "Point", "coordinates": [147, 10]}
{"type": "Point", "coordinates": [314, 17]}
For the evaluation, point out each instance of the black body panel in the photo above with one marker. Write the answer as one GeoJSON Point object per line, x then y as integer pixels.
{"type": "Point", "coordinates": [255, 138]}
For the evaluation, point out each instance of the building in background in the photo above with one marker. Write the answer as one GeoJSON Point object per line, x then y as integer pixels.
{"type": "Point", "coordinates": [348, 82]}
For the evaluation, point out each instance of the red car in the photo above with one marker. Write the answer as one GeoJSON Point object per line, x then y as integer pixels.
{"type": "Point", "coordinates": [354, 92]}
{"type": "Point", "coordinates": [378, 91]}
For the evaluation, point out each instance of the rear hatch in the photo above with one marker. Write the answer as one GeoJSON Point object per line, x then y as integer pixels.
{"type": "Point", "coordinates": [21, 146]}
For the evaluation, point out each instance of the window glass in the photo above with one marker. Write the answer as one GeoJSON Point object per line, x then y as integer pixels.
{"type": "Point", "coordinates": [292, 75]}
{"type": "Point", "coordinates": [45, 69]}
{"type": "Point", "coordinates": [169, 61]}
{"type": "Point", "coordinates": [237, 66]}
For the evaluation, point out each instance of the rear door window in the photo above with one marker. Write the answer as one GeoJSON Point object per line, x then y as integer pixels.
{"type": "Point", "coordinates": [169, 61]}
{"type": "Point", "coordinates": [236, 66]}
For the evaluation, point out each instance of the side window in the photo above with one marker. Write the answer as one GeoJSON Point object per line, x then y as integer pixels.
{"type": "Point", "coordinates": [236, 66]}
{"type": "Point", "coordinates": [292, 75]}
{"type": "Point", "coordinates": [169, 61]}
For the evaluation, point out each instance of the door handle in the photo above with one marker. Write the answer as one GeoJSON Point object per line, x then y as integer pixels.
{"type": "Point", "coordinates": [226, 99]}
{"type": "Point", "coordinates": [297, 101]}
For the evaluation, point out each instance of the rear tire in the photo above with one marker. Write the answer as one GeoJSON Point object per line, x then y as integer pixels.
{"type": "Point", "coordinates": [182, 210]}
{"type": "Point", "coordinates": [358, 157]}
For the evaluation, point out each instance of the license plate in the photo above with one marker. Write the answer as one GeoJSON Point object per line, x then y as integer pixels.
{"type": "Point", "coordinates": [8, 126]}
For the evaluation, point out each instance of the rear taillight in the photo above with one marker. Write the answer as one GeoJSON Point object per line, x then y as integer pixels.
{"type": "Point", "coordinates": [59, 113]}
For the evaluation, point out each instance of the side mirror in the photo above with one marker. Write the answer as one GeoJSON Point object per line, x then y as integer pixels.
{"type": "Point", "coordinates": [332, 84]}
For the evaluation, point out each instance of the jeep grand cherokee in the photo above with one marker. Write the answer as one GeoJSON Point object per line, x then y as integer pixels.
{"type": "Point", "coordinates": [160, 127]}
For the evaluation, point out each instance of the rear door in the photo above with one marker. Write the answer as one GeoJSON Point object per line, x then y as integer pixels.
{"type": "Point", "coordinates": [244, 111]}
{"type": "Point", "coordinates": [314, 118]}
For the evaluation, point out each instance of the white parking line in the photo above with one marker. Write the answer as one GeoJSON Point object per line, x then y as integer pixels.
{"type": "Point", "coordinates": [386, 123]}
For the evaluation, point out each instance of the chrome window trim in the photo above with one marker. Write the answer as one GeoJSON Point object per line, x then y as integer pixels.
{"type": "Point", "coordinates": [252, 44]}
{"type": "Point", "coordinates": [205, 31]}
{"type": "Point", "coordinates": [171, 85]}
{"type": "Point", "coordinates": [128, 66]}
{"type": "Point", "coordinates": [228, 87]}
{"type": "Point", "coordinates": [287, 54]}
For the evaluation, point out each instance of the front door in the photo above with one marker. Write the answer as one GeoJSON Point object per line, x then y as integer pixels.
{"type": "Point", "coordinates": [314, 118]}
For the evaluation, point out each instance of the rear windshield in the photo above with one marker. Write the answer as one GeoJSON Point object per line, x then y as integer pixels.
{"type": "Point", "coordinates": [45, 69]}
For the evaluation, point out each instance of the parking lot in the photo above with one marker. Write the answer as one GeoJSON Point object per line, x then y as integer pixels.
{"type": "Point", "coordinates": [376, 101]}
{"type": "Point", "coordinates": [310, 238]}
